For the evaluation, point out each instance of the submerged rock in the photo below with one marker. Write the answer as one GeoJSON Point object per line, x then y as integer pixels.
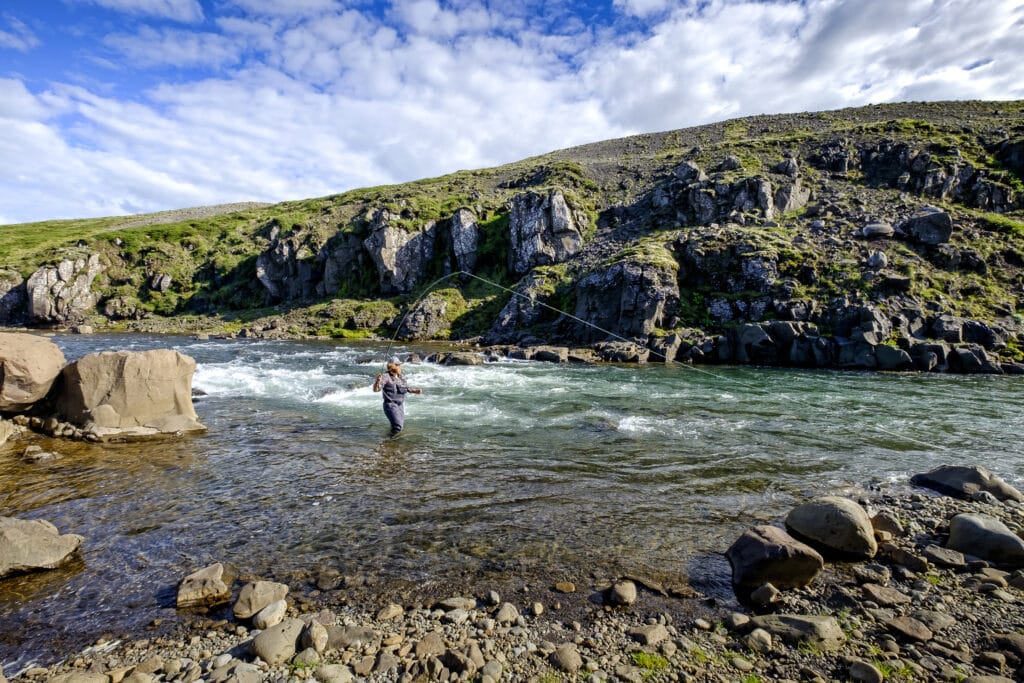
{"type": "Point", "coordinates": [31, 545]}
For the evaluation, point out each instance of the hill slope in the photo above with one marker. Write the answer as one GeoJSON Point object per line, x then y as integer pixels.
{"type": "Point", "coordinates": [886, 236]}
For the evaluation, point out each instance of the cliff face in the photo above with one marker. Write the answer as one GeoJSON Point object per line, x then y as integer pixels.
{"type": "Point", "coordinates": [885, 237]}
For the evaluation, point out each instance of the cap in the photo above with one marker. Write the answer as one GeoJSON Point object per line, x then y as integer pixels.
{"type": "Point", "coordinates": [394, 360]}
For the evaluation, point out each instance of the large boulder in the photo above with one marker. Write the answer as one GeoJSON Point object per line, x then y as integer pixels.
{"type": "Point", "coordinates": [767, 554]}
{"type": "Point", "coordinates": [62, 294]}
{"type": "Point", "coordinates": [28, 367]}
{"type": "Point", "coordinates": [629, 299]}
{"type": "Point", "coordinates": [834, 525]}
{"type": "Point", "coordinates": [130, 393]}
{"type": "Point", "coordinates": [543, 230]}
{"type": "Point", "coordinates": [930, 225]}
{"type": "Point", "coordinates": [401, 254]}
{"type": "Point", "coordinates": [963, 481]}
{"type": "Point", "coordinates": [30, 545]}
{"type": "Point", "coordinates": [986, 537]}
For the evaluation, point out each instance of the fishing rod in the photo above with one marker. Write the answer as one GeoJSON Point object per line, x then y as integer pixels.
{"type": "Point", "coordinates": [723, 378]}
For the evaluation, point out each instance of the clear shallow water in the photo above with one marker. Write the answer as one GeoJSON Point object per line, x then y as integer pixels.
{"type": "Point", "coordinates": [526, 467]}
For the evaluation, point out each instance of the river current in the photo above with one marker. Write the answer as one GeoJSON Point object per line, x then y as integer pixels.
{"type": "Point", "coordinates": [551, 471]}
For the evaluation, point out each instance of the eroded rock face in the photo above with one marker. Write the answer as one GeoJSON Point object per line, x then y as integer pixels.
{"type": "Point", "coordinates": [28, 367]}
{"type": "Point", "coordinates": [62, 294]}
{"type": "Point", "coordinates": [401, 255]}
{"type": "Point", "coordinates": [427, 320]}
{"type": "Point", "coordinates": [629, 299]}
{"type": "Point", "coordinates": [523, 311]}
{"type": "Point", "coordinates": [463, 239]}
{"type": "Point", "coordinates": [12, 298]}
{"type": "Point", "coordinates": [31, 545]}
{"type": "Point", "coordinates": [543, 229]}
{"type": "Point", "coordinates": [288, 268]}
{"type": "Point", "coordinates": [130, 393]}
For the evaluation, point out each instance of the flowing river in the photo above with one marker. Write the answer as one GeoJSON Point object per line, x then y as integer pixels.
{"type": "Point", "coordinates": [549, 471]}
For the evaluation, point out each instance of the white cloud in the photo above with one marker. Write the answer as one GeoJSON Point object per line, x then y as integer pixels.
{"type": "Point", "coordinates": [177, 10]}
{"type": "Point", "coordinates": [20, 37]}
{"type": "Point", "coordinates": [316, 98]}
{"type": "Point", "coordinates": [150, 47]}
{"type": "Point", "coordinates": [642, 8]}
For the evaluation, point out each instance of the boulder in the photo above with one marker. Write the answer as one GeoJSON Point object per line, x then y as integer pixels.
{"type": "Point", "coordinates": [7, 430]}
{"type": "Point", "coordinates": [543, 231]}
{"type": "Point", "coordinates": [962, 481]}
{"type": "Point", "coordinates": [798, 629]}
{"type": "Point", "coordinates": [30, 545]}
{"type": "Point", "coordinates": [62, 294]}
{"type": "Point", "coordinates": [987, 538]}
{"type": "Point", "coordinates": [28, 366]}
{"type": "Point", "coordinates": [892, 358]}
{"type": "Point", "coordinates": [208, 586]}
{"type": "Point", "coordinates": [256, 595]}
{"type": "Point", "coordinates": [930, 225]}
{"type": "Point", "coordinates": [767, 554]}
{"type": "Point", "coordinates": [278, 644]}
{"type": "Point", "coordinates": [130, 393]}
{"type": "Point", "coordinates": [834, 525]}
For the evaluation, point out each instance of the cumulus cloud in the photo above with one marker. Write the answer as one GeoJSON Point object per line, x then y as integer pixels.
{"type": "Point", "coordinates": [18, 37]}
{"type": "Point", "coordinates": [177, 10]}
{"type": "Point", "coordinates": [642, 8]}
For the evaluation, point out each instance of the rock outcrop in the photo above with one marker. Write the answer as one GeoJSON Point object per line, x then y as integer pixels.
{"type": "Point", "coordinates": [28, 367]}
{"type": "Point", "coordinates": [31, 545]}
{"type": "Point", "coordinates": [543, 229]}
{"type": "Point", "coordinates": [287, 268]}
{"type": "Point", "coordinates": [13, 297]}
{"type": "Point", "coordinates": [629, 299]}
{"type": "Point", "coordinates": [400, 254]}
{"type": "Point", "coordinates": [130, 393]}
{"type": "Point", "coordinates": [62, 294]}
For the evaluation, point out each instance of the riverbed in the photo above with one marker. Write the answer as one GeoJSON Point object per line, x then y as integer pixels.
{"type": "Point", "coordinates": [543, 470]}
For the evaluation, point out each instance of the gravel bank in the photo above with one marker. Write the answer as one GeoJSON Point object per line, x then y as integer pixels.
{"type": "Point", "coordinates": [913, 612]}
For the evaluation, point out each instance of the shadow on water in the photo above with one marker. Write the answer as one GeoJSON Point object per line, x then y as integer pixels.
{"type": "Point", "coordinates": [508, 472]}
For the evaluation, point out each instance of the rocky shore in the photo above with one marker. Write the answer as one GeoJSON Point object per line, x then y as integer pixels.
{"type": "Point", "coordinates": [922, 607]}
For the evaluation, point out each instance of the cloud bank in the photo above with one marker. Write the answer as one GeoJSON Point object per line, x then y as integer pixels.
{"type": "Point", "coordinates": [187, 104]}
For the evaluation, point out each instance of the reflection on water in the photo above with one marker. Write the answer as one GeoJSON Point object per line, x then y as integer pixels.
{"type": "Point", "coordinates": [537, 467]}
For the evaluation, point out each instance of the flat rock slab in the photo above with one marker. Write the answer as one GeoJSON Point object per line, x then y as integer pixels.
{"type": "Point", "coordinates": [884, 596]}
{"type": "Point", "coordinates": [820, 631]}
{"type": "Point", "coordinates": [910, 628]}
{"type": "Point", "coordinates": [935, 621]}
{"type": "Point", "coordinates": [944, 557]}
{"type": "Point", "coordinates": [28, 545]}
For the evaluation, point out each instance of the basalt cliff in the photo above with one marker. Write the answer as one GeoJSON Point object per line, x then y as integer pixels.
{"type": "Point", "coordinates": [885, 237]}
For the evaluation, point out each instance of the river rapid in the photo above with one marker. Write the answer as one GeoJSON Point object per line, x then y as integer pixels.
{"type": "Point", "coordinates": [550, 472]}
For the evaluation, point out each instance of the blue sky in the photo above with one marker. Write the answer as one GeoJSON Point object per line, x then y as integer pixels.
{"type": "Point", "coordinates": [110, 107]}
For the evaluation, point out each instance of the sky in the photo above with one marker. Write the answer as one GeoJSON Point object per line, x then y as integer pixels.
{"type": "Point", "coordinates": [112, 107]}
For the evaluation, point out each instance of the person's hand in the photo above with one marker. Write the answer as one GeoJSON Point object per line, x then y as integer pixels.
{"type": "Point", "coordinates": [416, 391]}
{"type": "Point", "coordinates": [380, 376]}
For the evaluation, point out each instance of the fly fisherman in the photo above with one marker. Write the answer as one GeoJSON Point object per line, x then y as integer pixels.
{"type": "Point", "coordinates": [394, 388]}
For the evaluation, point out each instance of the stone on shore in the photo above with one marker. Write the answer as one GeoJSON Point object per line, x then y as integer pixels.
{"type": "Point", "coordinates": [767, 554]}
{"type": "Point", "coordinates": [277, 644]}
{"type": "Point", "coordinates": [271, 615]}
{"type": "Point", "coordinates": [964, 481]}
{"type": "Point", "coordinates": [130, 393]}
{"type": "Point", "coordinates": [834, 525]}
{"type": "Point", "coordinates": [256, 595]}
{"type": "Point", "coordinates": [28, 545]}
{"type": "Point", "coordinates": [987, 538]}
{"type": "Point", "coordinates": [567, 658]}
{"type": "Point", "coordinates": [28, 367]}
{"type": "Point", "coordinates": [206, 587]}
{"type": "Point", "coordinates": [622, 594]}
{"type": "Point", "coordinates": [818, 631]}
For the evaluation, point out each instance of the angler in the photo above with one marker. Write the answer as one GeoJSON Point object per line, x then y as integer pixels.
{"type": "Point", "coordinates": [394, 387]}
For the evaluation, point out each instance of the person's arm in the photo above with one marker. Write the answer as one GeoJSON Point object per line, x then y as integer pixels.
{"type": "Point", "coordinates": [413, 390]}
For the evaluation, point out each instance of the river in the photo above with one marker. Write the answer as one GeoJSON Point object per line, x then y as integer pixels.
{"type": "Point", "coordinates": [550, 471]}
